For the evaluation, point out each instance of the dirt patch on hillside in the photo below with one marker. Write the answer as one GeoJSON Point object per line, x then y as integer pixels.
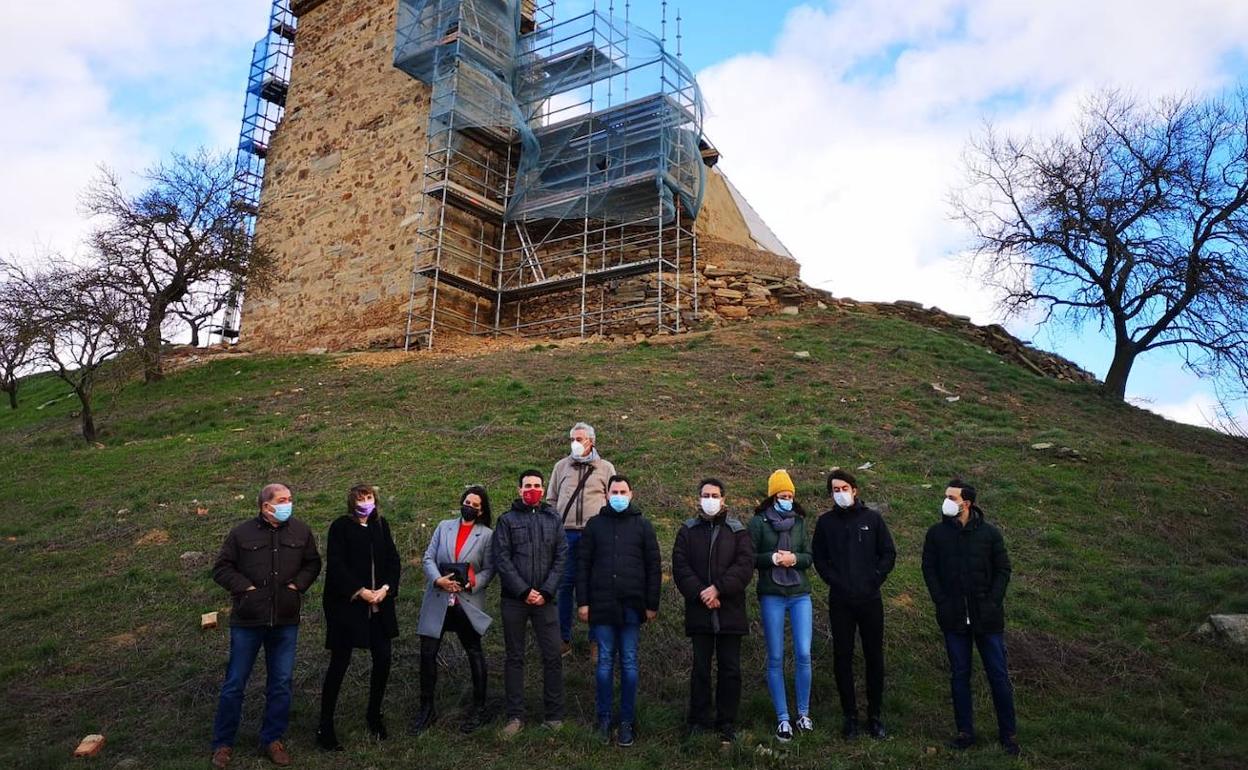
{"type": "Point", "coordinates": [1044, 661]}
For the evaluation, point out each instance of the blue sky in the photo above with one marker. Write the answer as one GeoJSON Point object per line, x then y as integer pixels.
{"type": "Point", "coordinates": [840, 121]}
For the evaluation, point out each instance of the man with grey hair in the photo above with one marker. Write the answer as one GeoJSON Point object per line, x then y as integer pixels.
{"type": "Point", "coordinates": [266, 563]}
{"type": "Point", "coordinates": [577, 491]}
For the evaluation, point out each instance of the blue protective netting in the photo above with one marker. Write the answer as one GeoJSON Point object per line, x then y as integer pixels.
{"type": "Point", "coordinates": [607, 121]}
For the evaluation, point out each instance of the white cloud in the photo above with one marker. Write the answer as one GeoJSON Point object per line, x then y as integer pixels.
{"type": "Point", "coordinates": [120, 82]}
{"type": "Point", "coordinates": [1198, 409]}
{"type": "Point", "coordinates": [847, 136]}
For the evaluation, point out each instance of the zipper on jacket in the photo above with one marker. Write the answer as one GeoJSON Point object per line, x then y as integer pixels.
{"type": "Point", "coordinates": [533, 540]}
{"type": "Point", "coordinates": [272, 578]}
{"type": "Point", "coordinates": [710, 565]}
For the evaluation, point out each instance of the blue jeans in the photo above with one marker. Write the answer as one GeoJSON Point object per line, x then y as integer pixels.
{"type": "Point", "coordinates": [567, 586]}
{"type": "Point", "coordinates": [801, 620]}
{"type": "Point", "coordinates": [992, 653]}
{"type": "Point", "coordinates": [620, 639]}
{"type": "Point", "coordinates": [279, 662]}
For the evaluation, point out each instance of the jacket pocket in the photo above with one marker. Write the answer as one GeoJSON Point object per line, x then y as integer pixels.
{"type": "Point", "coordinates": [253, 560]}
{"type": "Point", "coordinates": [951, 614]}
{"type": "Point", "coordinates": [287, 603]}
{"type": "Point", "coordinates": [252, 606]}
{"type": "Point", "coordinates": [519, 536]}
{"type": "Point", "coordinates": [290, 558]}
{"type": "Point", "coordinates": [991, 614]}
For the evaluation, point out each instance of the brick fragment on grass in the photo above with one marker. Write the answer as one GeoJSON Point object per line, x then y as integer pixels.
{"type": "Point", "coordinates": [90, 746]}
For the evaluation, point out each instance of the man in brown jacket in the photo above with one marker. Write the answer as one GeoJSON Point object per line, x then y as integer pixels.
{"type": "Point", "coordinates": [266, 563]}
{"type": "Point", "coordinates": [577, 491]}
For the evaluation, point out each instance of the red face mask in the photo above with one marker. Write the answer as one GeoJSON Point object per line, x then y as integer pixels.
{"type": "Point", "coordinates": [531, 496]}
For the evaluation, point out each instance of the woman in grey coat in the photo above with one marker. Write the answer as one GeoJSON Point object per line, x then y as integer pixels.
{"type": "Point", "coordinates": [458, 566]}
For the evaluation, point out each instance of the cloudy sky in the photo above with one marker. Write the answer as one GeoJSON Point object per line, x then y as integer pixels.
{"type": "Point", "coordinates": [842, 122]}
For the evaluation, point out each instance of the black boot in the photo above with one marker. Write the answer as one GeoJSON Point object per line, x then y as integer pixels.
{"type": "Point", "coordinates": [849, 728]}
{"type": "Point", "coordinates": [480, 674]}
{"type": "Point", "coordinates": [425, 717]}
{"type": "Point", "coordinates": [377, 725]}
{"type": "Point", "coordinates": [473, 719]}
{"type": "Point", "coordinates": [327, 739]}
{"type": "Point", "coordinates": [875, 728]}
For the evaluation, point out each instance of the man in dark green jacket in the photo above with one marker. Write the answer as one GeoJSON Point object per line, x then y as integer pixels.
{"type": "Point", "coordinates": [712, 563]}
{"type": "Point", "coordinates": [967, 570]}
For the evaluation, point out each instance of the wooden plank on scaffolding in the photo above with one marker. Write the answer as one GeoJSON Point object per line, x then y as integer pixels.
{"type": "Point", "coordinates": [462, 198]}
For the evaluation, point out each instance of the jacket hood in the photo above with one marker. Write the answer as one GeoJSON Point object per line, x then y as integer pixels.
{"type": "Point", "coordinates": [858, 505]}
{"type": "Point", "coordinates": [519, 506]}
{"type": "Point", "coordinates": [631, 510]}
{"type": "Point", "coordinates": [977, 517]}
{"type": "Point", "coordinates": [263, 522]}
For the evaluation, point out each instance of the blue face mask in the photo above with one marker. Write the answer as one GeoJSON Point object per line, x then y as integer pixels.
{"type": "Point", "coordinates": [618, 503]}
{"type": "Point", "coordinates": [784, 505]}
{"type": "Point", "coordinates": [282, 511]}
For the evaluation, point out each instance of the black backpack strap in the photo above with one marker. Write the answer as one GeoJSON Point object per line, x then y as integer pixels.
{"type": "Point", "coordinates": [576, 494]}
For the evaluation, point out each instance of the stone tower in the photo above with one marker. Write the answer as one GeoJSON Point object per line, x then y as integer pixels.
{"type": "Point", "coordinates": [344, 206]}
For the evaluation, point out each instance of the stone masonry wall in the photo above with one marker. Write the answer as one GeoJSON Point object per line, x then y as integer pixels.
{"type": "Point", "coordinates": [342, 188]}
{"type": "Point", "coordinates": [343, 191]}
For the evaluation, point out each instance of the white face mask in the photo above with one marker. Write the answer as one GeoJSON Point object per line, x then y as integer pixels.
{"type": "Point", "coordinates": [711, 506]}
{"type": "Point", "coordinates": [578, 449]}
{"type": "Point", "coordinates": [950, 508]}
{"type": "Point", "coordinates": [843, 499]}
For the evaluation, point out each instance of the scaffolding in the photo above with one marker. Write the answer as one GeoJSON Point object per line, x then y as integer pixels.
{"type": "Point", "coordinates": [562, 159]}
{"type": "Point", "coordinates": [268, 81]}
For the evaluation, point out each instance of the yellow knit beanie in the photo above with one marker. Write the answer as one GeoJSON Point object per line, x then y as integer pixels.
{"type": "Point", "coordinates": [780, 482]}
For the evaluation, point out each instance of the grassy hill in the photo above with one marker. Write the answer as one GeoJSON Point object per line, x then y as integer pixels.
{"type": "Point", "coordinates": [1118, 555]}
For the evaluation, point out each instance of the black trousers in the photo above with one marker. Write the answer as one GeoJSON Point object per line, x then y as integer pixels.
{"type": "Point", "coordinates": [340, 659]}
{"type": "Point", "coordinates": [456, 621]}
{"type": "Point", "coordinates": [727, 649]}
{"type": "Point", "coordinates": [517, 616]}
{"type": "Point", "coordinates": [867, 619]}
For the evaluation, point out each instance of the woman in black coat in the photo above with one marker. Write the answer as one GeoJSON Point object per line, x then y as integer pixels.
{"type": "Point", "coordinates": [361, 583]}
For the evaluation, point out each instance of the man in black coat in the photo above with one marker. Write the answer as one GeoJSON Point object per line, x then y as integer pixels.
{"type": "Point", "coordinates": [266, 563]}
{"type": "Point", "coordinates": [853, 552]}
{"type": "Point", "coordinates": [712, 563]}
{"type": "Point", "coordinates": [617, 589]}
{"type": "Point", "coordinates": [967, 570]}
{"type": "Point", "coordinates": [529, 554]}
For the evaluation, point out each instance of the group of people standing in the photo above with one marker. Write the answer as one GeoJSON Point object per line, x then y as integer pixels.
{"type": "Point", "coordinates": [577, 546]}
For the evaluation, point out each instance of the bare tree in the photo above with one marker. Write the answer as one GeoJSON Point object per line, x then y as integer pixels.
{"type": "Point", "coordinates": [81, 324]}
{"type": "Point", "coordinates": [185, 229]}
{"type": "Point", "coordinates": [203, 302]}
{"type": "Point", "coordinates": [17, 339]}
{"type": "Point", "coordinates": [1136, 219]}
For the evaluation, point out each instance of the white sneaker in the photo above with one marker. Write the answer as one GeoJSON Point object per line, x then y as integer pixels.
{"type": "Point", "coordinates": [784, 732]}
{"type": "Point", "coordinates": [805, 724]}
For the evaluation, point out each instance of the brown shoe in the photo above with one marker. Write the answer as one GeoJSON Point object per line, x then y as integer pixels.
{"type": "Point", "coordinates": [221, 757]}
{"type": "Point", "coordinates": [276, 753]}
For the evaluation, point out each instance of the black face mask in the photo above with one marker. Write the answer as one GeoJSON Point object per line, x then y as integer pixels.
{"type": "Point", "coordinates": [469, 513]}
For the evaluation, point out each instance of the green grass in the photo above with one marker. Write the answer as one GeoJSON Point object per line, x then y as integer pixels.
{"type": "Point", "coordinates": [1117, 558]}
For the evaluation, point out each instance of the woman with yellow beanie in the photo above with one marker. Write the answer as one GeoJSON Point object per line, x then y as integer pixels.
{"type": "Point", "coordinates": [782, 556]}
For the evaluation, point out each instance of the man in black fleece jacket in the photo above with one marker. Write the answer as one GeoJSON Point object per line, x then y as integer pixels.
{"type": "Point", "coordinates": [853, 552]}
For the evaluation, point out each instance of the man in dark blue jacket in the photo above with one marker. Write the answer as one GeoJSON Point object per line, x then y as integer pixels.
{"type": "Point", "coordinates": [529, 553]}
{"type": "Point", "coordinates": [617, 589]}
{"type": "Point", "coordinates": [853, 552]}
{"type": "Point", "coordinates": [967, 570]}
